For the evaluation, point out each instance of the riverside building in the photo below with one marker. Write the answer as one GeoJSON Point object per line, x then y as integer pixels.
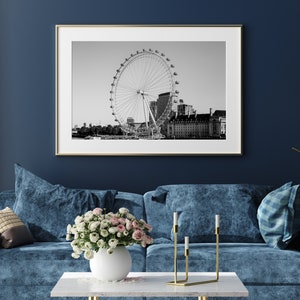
{"type": "Point", "coordinates": [197, 126]}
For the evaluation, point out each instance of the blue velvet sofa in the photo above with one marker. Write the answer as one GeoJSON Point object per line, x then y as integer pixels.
{"type": "Point", "coordinates": [30, 271]}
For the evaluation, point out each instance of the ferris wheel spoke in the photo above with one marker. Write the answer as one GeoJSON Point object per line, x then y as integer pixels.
{"type": "Point", "coordinates": [150, 70]}
{"type": "Point", "coordinates": [131, 109]}
{"type": "Point", "coordinates": [156, 90]}
{"type": "Point", "coordinates": [153, 78]}
{"type": "Point", "coordinates": [125, 90]}
{"type": "Point", "coordinates": [158, 79]}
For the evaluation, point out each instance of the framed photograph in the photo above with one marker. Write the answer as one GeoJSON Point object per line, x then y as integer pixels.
{"type": "Point", "coordinates": [148, 90]}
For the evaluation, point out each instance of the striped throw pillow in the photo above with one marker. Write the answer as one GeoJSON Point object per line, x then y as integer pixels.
{"type": "Point", "coordinates": [277, 216]}
{"type": "Point", "coordinates": [13, 231]}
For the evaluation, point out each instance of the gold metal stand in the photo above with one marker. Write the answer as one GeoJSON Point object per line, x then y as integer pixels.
{"type": "Point", "coordinates": [93, 298]}
{"type": "Point", "coordinates": [184, 282]}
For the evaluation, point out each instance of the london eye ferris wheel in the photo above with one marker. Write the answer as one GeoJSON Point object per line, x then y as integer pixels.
{"type": "Point", "coordinates": [143, 92]}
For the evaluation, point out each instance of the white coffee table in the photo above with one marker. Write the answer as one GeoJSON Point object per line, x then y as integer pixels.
{"type": "Point", "coordinates": [148, 284]}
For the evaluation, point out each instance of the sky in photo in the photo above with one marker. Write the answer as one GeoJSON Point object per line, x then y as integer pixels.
{"type": "Point", "coordinates": [200, 66]}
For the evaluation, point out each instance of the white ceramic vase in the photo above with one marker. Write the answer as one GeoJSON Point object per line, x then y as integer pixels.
{"type": "Point", "coordinates": [111, 266]}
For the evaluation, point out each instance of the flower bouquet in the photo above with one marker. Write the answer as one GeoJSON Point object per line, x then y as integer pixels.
{"type": "Point", "coordinates": [97, 229]}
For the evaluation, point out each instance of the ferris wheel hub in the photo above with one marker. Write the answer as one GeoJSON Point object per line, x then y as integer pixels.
{"type": "Point", "coordinates": [141, 92]}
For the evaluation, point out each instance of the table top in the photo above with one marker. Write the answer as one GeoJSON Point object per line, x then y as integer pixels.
{"type": "Point", "coordinates": [149, 284]}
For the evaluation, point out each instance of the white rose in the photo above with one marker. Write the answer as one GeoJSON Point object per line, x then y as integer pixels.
{"type": "Point", "coordinates": [73, 230]}
{"type": "Point", "coordinates": [113, 243]}
{"type": "Point", "coordinates": [104, 232]}
{"type": "Point", "coordinates": [88, 216]}
{"type": "Point", "coordinates": [87, 245]}
{"type": "Point", "coordinates": [130, 217]}
{"type": "Point", "coordinates": [81, 227]}
{"type": "Point", "coordinates": [113, 230]}
{"type": "Point", "coordinates": [77, 250]}
{"type": "Point", "coordinates": [94, 237]}
{"type": "Point", "coordinates": [78, 220]}
{"type": "Point", "coordinates": [93, 226]}
{"type": "Point", "coordinates": [109, 251]}
{"type": "Point", "coordinates": [104, 224]}
{"type": "Point", "coordinates": [101, 243]}
{"type": "Point", "coordinates": [69, 227]}
{"type": "Point", "coordinates": [88, 254]}
{"type": "Point", "coordinates": [123, 210]}
{"type": "Point", "coordinates": [74, 255]}
{"type": "Point", "coordinates": [74, 243]}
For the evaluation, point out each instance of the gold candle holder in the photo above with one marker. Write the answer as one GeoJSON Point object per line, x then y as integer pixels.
{"type": "Point", "coordinates": [185, 282]}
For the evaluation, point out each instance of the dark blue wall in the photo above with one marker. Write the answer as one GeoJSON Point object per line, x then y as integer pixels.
{"type": "Point", "coordinates": [271, 100]}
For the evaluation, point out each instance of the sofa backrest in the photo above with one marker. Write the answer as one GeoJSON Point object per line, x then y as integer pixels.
{"type": "Point", "coordinates": [7, 199]}
{"type": "Point", "coordinates": [133, 202]}
{"type": "Point", "coordinates": [197, 205]}
{"type": "Point", "coordinates": [51, 206]}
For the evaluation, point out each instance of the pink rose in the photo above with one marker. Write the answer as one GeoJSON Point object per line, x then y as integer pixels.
{"type": "Point", "coordinates": [148, 227]}
{"type": "Point", "coordinates": [146, 240]}
{"type": "Point", "coordinates": [149, 239]}
{"type": "Point", "coordinates": [114, 221]}
{"type": "Point", "coordinates": [121, 220]}
{"type": "Point", "coordinates": [135, 224]}
{"type": "Point", "coordinates": [137, 235]}
{"type": "Point", "coordinates": [97, 211]}
{"type": "Point", "coordinates": [121, 228]}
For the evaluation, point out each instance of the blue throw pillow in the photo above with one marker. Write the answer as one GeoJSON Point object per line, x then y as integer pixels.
{"type": "Point", "coordinates": [197, 205]}
{"type": "Point", "coordinates": [47, 209]}
{"type": "Point", "coordinates": [278, 216]}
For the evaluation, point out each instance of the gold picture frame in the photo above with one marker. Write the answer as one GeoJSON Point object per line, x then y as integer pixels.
{"type": "Point", "coordinates": [148, 90]}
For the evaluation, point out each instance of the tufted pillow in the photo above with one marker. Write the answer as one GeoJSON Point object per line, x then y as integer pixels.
{"type": "Point", "coordinates": [47, 209]}
{"type": "Point", "coordinates": [13, 231]}
{"type": "Point", "coordinates": [278, 216]}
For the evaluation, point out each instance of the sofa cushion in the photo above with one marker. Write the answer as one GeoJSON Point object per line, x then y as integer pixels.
{"type": "Point", "coordinates": [47, 209]}
{"type": "Point", "coordinates": [43, 263]}
{"type": "Point", "coordinates": [254, 263]}
{"type": "Point", "coordinates": [278, 216]}
{"type": "Point", "coordinates": [13, 231]}
{"type": "Point", "coordinates": [197, 205]}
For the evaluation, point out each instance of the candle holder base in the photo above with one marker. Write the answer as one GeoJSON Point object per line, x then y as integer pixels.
{"type": "Point", "coordinates": [185, 282]}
